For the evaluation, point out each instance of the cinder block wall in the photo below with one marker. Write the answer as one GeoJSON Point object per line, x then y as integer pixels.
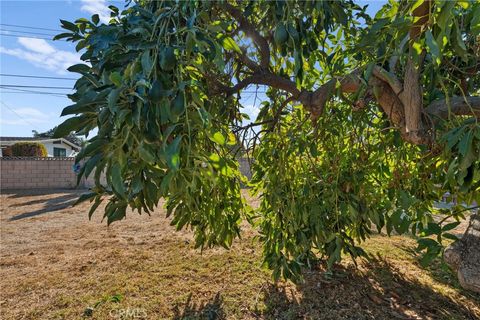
{"type": "Point", "coordinates": [37, 173]}
{"type": "Point", "coordinates": [53, 173]}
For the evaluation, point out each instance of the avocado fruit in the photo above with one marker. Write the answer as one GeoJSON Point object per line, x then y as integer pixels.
{"type": "Point", "coordinates": [168, 59]}
{"type": "Point", "coordinates": [178, 104]}
{"type": "Point", "coordinates": [280, 36]}
{"type": "Point", "coordinates": [156, 92]}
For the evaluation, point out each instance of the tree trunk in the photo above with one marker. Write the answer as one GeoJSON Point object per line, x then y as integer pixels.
{"type": "Point", "coordinates": [464, 256]}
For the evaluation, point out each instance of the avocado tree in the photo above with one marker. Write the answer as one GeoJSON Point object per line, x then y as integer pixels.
{"type": "Point", "coordinates": [365, 121]}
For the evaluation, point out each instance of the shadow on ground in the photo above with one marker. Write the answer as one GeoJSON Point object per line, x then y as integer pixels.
{"type": "Point", "coordinates": [377, 292]}
{"type": "Point", "coordinates": [21, 193]}
{"type": "Point", "coordinates": [212, 310]}
{"type": "Point", "coordinates": [49, 205]}
{"type": "Point", "coordinates": [440, 272]}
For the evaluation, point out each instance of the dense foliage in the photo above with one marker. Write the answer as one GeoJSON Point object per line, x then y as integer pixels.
{"type": "Point", "coordinates": [28, 149]}
{"type": "Point", "coordinates": [365, 120]}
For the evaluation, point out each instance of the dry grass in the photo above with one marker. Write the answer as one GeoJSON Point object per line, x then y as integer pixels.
{"type": "Point", "coordinates": [54, 264]}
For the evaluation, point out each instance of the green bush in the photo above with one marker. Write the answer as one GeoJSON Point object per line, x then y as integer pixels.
{"type": "Point", "coordinates": [29, 149]}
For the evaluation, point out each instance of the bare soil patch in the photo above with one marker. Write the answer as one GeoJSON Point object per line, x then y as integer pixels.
{"type": "Point", "coordinates": [56, 264]}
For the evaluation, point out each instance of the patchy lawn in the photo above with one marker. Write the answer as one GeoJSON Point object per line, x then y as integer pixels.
{"type": "Point", "coordinates": [55, 264]}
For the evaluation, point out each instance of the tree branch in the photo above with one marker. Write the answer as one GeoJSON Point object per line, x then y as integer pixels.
{"type": "Point", "coordinates": [261, 78]}
{"type": "Point", "coordinates": [252, 33]}
{"type": "Point", "coordinates": [411, 96]}
{"type": "Point", "coordinates": [412, 100]}
{"type": "Point", "coordinates": [459, 106]}
{"type": "Point", "coordinates": [389, 78]}
{"type": "Point", "coordinates": [248, 62]}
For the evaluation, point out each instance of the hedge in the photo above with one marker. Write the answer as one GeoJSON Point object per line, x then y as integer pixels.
{"type": "Point", "coordinates": [29, 149]}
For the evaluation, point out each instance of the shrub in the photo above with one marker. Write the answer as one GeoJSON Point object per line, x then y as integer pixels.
{"type": "Point", "coordinates": [29, 149]}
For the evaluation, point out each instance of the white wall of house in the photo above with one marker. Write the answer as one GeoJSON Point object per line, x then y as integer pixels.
{"type": "Point", "coordinates": [49, 145]}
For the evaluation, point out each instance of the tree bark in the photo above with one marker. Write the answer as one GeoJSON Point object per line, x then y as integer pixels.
{"type": "Point", "coordinates": [463, 256]}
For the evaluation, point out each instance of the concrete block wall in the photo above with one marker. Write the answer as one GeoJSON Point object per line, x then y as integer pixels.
{"type": "Point", "coordinates": [53, 173]}
{"type": "Point", "coordinates": [37, 173]}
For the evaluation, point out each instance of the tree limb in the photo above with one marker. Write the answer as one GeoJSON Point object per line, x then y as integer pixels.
{"type": "Point", "coordinates": [261, 78]}
{"type": "Point", "coordinates": [459, 106]}
{"type": "Point", "coordinates": [252, 33]}
{"type": "Point", "coordinates": [412, 100]}
{"type": "Point", "coordinates": [388, 77]}
{"type": "Point", "coordinates": [411, 96]}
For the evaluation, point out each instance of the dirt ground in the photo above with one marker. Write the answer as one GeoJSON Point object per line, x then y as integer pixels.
{"type": "Point", "coordinates": [56, 264]}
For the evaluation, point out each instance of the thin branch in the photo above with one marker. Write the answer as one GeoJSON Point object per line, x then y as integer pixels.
{"type": "Point", "coordinates": [251, 125]}
{"type": "Point", "coordinates": [276, 117]}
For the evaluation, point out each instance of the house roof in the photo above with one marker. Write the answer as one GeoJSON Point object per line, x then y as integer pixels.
{"type": "Point", "coordinates": [20, 138]}
{"type": "Point", "coordinates": [12, 140]}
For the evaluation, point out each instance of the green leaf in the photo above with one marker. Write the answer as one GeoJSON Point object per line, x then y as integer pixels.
{"type": "Point", "coordinates": [458, 43]}
{"type": "Point", "coordinates": [464, 4]}
{"type": "Point", "coordinates": [117, 214]}
{"type": "Point", "coordinates": [78, 108]}
{"type": "Point", "coordinates": [116, 78]}
{"type": "Point", "coordinates": [432, 253]}
{"type": "Point", "coordinates": [229, 44]}
{"type": "Point", "coordinates": [173, 153]}
{"type": "Point", "coordinates": [475, 22]}
{"type": "Point", "coordinates": [232, 139]}
{"type": "Point", "coordinates": [432, 228]}
{"type": "Point", "coordinates": [418, 47]}
{"type": "Point", "coordinates": [117, 180]}
{"type": "Point", "coordinates": [84, 197]}
{"type": "Point", "coordinates": [94, 207]}
{"type": "Point", "coordinates": [426, 243]}
{"type": "Point", "coordinates": [417, 4]}
{"type": "Point", "coordinates": [146, 154]}
{"type": "Point", "coordinates": [368, 71]}
{"type": "Point", "coordinates": [450, 236]}
{"type": "Point", "coordinates": [190, 42]}
{"type": "Point", "coordinates": [69, 125]}
{"type": "Point", "coordinates": [454, 136]}
{"type": "Point", "coordinates": [90, 164]}
{"type": "Point", "coordinates": [218, 138]}
{"type": "Point", "coordinates": [450, 226]}
{"type": "Point", "coordinates": [466, 143]}
{"type": "Point", "coordinates": [112, 99]}
{"type": "Point", "coordinates": [96, 18]}
{"type": "Point", "coordinates": [63, 35]}
{"type": "Point", "coordinates": [79, 68]}
{"type": "Point", "coordinates": [433, 46]}
{"type": "Point", "coordinates": [445, 15]}
{"type": "Point", "coordinates": [147, 63]}
{"type": "Point", "coordinates": [69, 26]}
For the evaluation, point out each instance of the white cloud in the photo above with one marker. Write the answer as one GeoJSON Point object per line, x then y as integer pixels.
{"type": "Point", "coordinates": [99, 7]}
{"type": "Point", "coordinates": [37, 45]}
{"type": "Point", "coordinates": [41, 54]}
{"type": "Point", "coordinates": [24, 116]}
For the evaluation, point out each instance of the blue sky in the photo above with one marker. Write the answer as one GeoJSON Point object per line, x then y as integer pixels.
{"type": "Point", "coordinates": [22, 112]}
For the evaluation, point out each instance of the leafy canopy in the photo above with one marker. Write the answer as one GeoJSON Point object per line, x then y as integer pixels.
{"type": "Point", "coordinates": [365, 120]}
